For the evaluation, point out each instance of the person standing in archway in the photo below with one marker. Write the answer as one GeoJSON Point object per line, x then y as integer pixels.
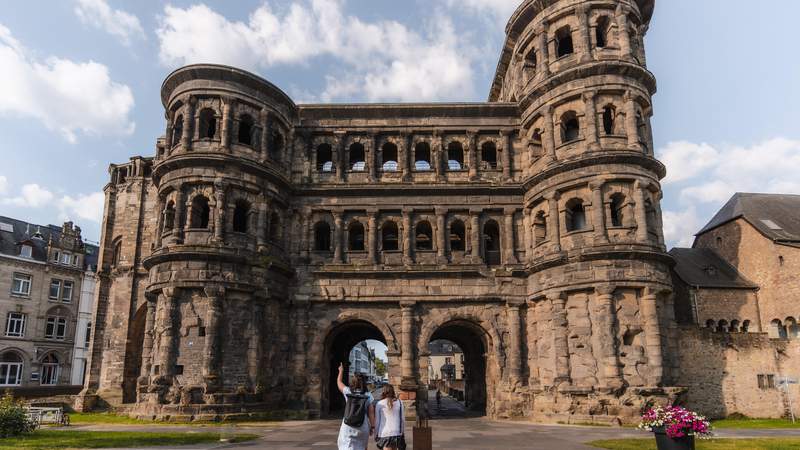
{"type": "Point", "coordinates": [390, 422]}
{"type": "Point", "coordinates": [359, 413]}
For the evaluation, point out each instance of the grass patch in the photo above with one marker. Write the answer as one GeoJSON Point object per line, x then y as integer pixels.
{"type": "Point", "coordinates": [107, 418]}
{"type": "Point", "coordinates": [712, 444]}
{"type": "Point", "coordinates": [51, 439]}
{"type": "Point", "coordinates": [746, 423]}
{"type": "Point", "coordinates": [104, 419]}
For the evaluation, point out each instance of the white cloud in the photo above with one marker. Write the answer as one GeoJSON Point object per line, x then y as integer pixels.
{"type": "Point", "coordinates": [3, 185]}
{"type": "Point", "coordinates": [382, 60]}
{"type": "Point", "coordinates": [501, 9]}
{"type": "Point", "coordinates": [85, 207]}
{"type": "Point", "coordinates": [31, 195]}
{"type": "Point", "coordinates": [68, 97]}
{"type": "Point", "coordinates": [684, 160]}
{"type": "Point", "coordinates": [118, 23]}
{"type": "Point", "coordinates": [680, 226]}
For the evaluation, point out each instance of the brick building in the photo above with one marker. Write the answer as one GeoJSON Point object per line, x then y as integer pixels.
{"type": "Point", "coordinates": [41, 277]}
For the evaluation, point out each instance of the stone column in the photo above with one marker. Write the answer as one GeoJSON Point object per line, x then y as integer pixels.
{"type": "Point", "coordinates": [631, 127]}
{"type": "Point", "coordinates": [553, 222]}
{"type": "Point", "coordinates": [219, 213]}
{"type": "Point", "coordinates": [265, 125]}
{"type": "Point", "coordinates": [162, 208]}
{"type": "Point", "coordinates": [508, 240]}
{"type": "Point", "coordinates": [560, 337]}
{"type": "Point", "coordinates": [532, 323]}
{"type": "Point", "coordinates": [527, 224]}
{"type": "Point", "coordinates": [407, 343]}
{"type": "Point", "coordinates": [305, 234]}
{"type": "Point", "coordinates": [506, 155]}
{"type": "Point", "coordinates": [261, 231]}
{"type": "Point", "coordinates": [549, 135]}
{"type": "Point", "coordinates": [226, 125]}
{"type": "Point", "coordinates": [605, 340]}
{"type": "Point", "coordinates": [592, 139]}
{"type": "Point", "coordinates": [338, 237]}
{"type": "Point", "coordinates": [475, 234]}
{"type": "Point", "coordinates": [180, 214]}
{"type": "Point", "coordinates": [372, 237]}
{"type": "Point", "coordinates": [544, 58]}
{"type": "Point", "coordinates": [339, 159]}
{"type": "Point", "coordinates": [652, 336]}
{"type": "Point", "coordinates": [255, 350]}
{"type": "Point", "coordinates": [598, 213]}
{"type": "Point", "coordinates": [472, 141]}
{"type": "Point", "coordinates": [439, 157]}
{"type": "Point", "coordinates": [408, 233]}
{"type": "Point", "coordinates": [212, 350]}
{"type": "Point", "coordinates": [170, 117]}
{"type": "Point", "coordinates": [188, 123]}
{"type": "Point", "coordinates": [372, 158]}
{"type": "Point", "coordinates": [301, 348]}
{"type": "Point", "coordinates": [168, 348]}
{"type": "Point", "coordinates": [640, 212]}
{"type": "Point", "coordinates": [441, 235]}
{"type": "Point", "coordinates": [514, 343]}
{"type": "Point", "coordinates": [404, 154]}
{"type": "Point", "coordinates": [623, 34]}
{"type": "Point", "coordinates": [659, 217]}
{"type": "Point", "coordinates": [147, 345]}
{"type": "Point", "coordinates": [582, 12]}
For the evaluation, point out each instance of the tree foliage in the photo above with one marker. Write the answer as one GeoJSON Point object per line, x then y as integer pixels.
{"type": "Point", "coordinates": [13, 420]}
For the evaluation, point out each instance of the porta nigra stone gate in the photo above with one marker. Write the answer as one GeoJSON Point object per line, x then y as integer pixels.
{"type": "Point", "coordinates": [264, 239]}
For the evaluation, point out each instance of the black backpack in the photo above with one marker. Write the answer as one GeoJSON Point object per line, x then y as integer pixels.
{"type": "Point", "coordinates": [356, 409]}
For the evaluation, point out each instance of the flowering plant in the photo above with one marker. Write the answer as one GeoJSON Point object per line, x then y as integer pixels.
{"type": "Point", "coordinates": [677, 422]}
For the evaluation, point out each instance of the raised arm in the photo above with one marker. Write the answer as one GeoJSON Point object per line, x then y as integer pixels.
{"type": "Point", "coordinates": [339, 381]}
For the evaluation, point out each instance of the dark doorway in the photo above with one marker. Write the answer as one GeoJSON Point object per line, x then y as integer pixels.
{"type": "Point", "coordinates": [133, 355]}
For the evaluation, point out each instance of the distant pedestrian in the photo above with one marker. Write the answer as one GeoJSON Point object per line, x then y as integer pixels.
{"type": "Point", "coordinates": [438, 399]}
{"type": "Point", "coordinates": [390, 422]}
{"type": "Point", "coordinates": [359, 413]}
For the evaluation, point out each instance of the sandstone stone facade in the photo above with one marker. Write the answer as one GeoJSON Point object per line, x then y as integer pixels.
{"type": "Point", "coordinates": [264, 239]}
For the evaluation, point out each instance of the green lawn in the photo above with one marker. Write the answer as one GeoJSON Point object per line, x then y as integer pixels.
{"type": "Point", "coordinates": [104, 418]}
{"type": "Point", "coordinates": [713, 444]}
{"type": "Point", "coordinates": [52, 439]}
{"type": "Point", "coordinates": [755, 423]}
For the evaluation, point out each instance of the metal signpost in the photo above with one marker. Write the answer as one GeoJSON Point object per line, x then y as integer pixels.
{"type": "Point", "coordinates": [786, 381]}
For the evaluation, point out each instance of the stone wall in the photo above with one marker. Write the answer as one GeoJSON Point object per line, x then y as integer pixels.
{"type": "Point", "coordinates": [721, 372]}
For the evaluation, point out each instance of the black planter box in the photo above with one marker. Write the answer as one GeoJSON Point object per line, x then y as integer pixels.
{"type": "Point", "coordinates": [664, 442]}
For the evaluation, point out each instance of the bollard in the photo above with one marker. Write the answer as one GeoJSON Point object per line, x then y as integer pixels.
{"type": "Point", "coordinates": [423, 435]}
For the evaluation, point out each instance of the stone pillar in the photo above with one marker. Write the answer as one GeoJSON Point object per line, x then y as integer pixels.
{"type": "Point", "coordinates": [623, 34]}
{"type": "Point", "coordinates": [227, 124]}
{"type": "Point", "coordinates": [605, 340]}
{"type": "Point", "coordinates": [404, 154]}
{"type": "Point", "coordinates": [408, 233]}
{"type": "Point", "coordinates": [652, 336]}
{"type": "Point", "coordinates": [592, 139]}
{"type": "Point", "coordinates": [339, 159]}
{"type": "Point", "coordinates": [188, 123]}
{"type": "Point", "coordinates": [212, 350]}
{"type": "Point", "coordinates": [598, 213]}
{"type": "Point", "coordinates": [441, 235]}
{"type": "Point", "coordinates": [439, 156]}
{"type": "Point", "coordinates": [372, 158]}
{"type": "Point", "coordinates": [180, 214]}
{"type": "Point", "coordinates": [549, 135]}
{"type": "Point", "coordinates": [532, 323]}
{"type": "Point", "coordinates": [407, 343]}
{"type": "Point", "coordinates": [372, 236]}
{"type": "Point", "coordinates": [508, 240]}
{"type": "Point", "coordinates": [147, 344]}
{"type": "Point", "coordinates": [170, 117]}
{"type": "Point", "coordinates": [338, 237]}
{"type": "Point", "coordinates": [219, 213]}
{"type": "Point", "coordinates": [544, 58]}
{"type": "Point", "coordinates": [582, 12]}
{"type": "Point", "coordinates": [261, 231]}
{"type": "Point", "coordinates": [558, 302]}
{"type": "Point", "coordinates": [631, 127]}
{"type": "Point", "coordinates": [265, 126]}
{"type": "Point", "coordinates": [553, 222]}
{"type": "Point", "coordinates": [256, 350]}
{"type": "Point", "coordinates": [527, 224]}
{"type": "Point", "coordinates": [514, 343]}
{"type": "Point", "coordinates": [640, 212]}
{"type": "Point", "coordinates": [506, 155]}
{"type": "Point", "coordinates": [167, 344]}
{"type": "Point", "coordinates": [659, 218]}
{"type": "Point", "coordinates": [162, 208]}
{"type": "Point", "coordinates": [305, 234]}
{"type": "Point", "coordinates": [301, 345]}
{"type": "Point", "coordinates": [472, 142]}
{"type": "Point", "coordinates": [475, 234]}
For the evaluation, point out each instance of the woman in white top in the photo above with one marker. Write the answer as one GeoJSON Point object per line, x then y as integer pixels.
{"type": "Point", "coordinates": [389, 421]}
{"type": "Point", "coordinates": [352, 438]}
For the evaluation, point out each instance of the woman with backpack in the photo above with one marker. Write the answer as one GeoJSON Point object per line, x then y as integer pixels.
{"type": "Point", "coordinates": [390, 422]}
{"type": "Point", "coordinates": [359, 413]}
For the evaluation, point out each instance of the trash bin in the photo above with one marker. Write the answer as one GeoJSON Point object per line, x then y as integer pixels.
{"type": "Point", "coordinates": [423, 435]}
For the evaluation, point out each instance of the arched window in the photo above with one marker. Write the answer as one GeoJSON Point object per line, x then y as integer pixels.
{"type": "Point", "coordinates": [275, 228]}
{"type": "Point", "coordinates": [719, 241]}
{"type": "Point", "coordinates": [241, 215]}
{"type": "Point", "coordinates": [535, 144]}
{"type": "Point", "coordinates": [389, 157]}
{"type": "Point", "coordinates": [325, 158]}
{"type": "Point", "coordinates": [601, 32]}
{"type": "Point", "coordinates": [169, 217]}
{"type": "Point", "coordinates": [246, 130]}
{"type": "Point", "coordinates": [711, 324]}
{"type": "Point", "coordinates": [422, 157]}
{"type": "Point", "coordinates": [641, 128]}
{"type": "Point", "coordinates": [357, 157]}
{"type": "Point", "coordinates": [734, 328]}
{"type": "Point", "coordinates": [777, 330]}
{"type": "Point", "coordinates": [390, 237]}
{"type": "Point", "coordinates": [576, 215]}
{"type": "Point", "coordinates": [564, 45]}
{"type": "Point", "coordinates": [50, 370]}
{"type": "Point", "coordinates": [116, 256]}
{"type": "Point", "coordinates": [10, 369]}
{"type": "Point", "coordinates": [275, 145]}
{"type": "Point", "coordinates": [355, 237]}
{"type": "Point", "coordinates": [792, 329]}
{"type": "Point", "coordinates": [322, 237]}
{"type": "Point", "coordinates": [722, 326]}
{"type": "Point", "coordinates": [423, 236]}
{"type": "Point", "coordinates": [530, 60]}
{"type": "Point", "coordinates": [457, 236]}
{"type": "Point", "coordinates": [491, 243]}
{"type": "Point", "coordinates": [570, 127]}
{"type": "Point", "coordinates": [609, 117]}
{"type": "Point", "coordinates": [617, 207]}
{"type": "Point", "coordinates": [540, 228]}
{"type": "Point", "coordinates": [208, 124]}
{"type": "Point", "coordinates": [745, 326]}
{"type": "Point", "coordinates": [489, 155]}
{"type": "Point", "coordinates": [455, 156]}
{"type": "Point", "coordinates": [177, 131]}
{"type": "Point", "coordinates": [200, 212]}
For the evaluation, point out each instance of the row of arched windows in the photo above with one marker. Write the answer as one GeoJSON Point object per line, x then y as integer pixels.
{"type": "Point", "coordinates": [388, 157]}
{"type": "Point", "coordinates": [12, 367]}
{"type": "Point", "coordinates": [570, 128]}
{"type": "Point", "coordinates": [785, 329]}
{"type": "Point", "coordinates": [723, 326]}
{"type": "Point", "coordinates": [200, 217]}
{"type": "Point", "coordinates": [575, 216]}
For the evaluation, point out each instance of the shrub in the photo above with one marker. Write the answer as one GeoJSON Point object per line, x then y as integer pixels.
{"type": "Point", "coordinates": [13, 420]}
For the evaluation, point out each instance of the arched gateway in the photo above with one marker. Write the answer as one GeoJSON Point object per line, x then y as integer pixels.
{"type": "Point", "coordinates": [265, 238]}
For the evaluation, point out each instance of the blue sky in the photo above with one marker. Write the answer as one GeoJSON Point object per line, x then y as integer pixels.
{"type": "Point", "coordinates": [80, 84]}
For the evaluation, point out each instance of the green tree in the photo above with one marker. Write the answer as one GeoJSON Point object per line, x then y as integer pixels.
{"type": "Point", "coordinates": [380, 367]}
{"type": "Point", "coordinates": [13, 420]}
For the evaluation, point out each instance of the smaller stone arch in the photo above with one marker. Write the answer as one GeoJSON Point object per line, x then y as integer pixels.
{"type": "Point", "coordinates": [792, 328]}
{"type": "Point", "coordinates": [356, 235]}
{"type": "Point", "coordinates": [722, 326]}
{"type": "Point", "coordinates": [456, 146]}
{"type": "Point", "coordinates": [389, 232]}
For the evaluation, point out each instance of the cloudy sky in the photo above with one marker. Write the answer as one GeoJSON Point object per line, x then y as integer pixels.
{"type": "Point", "coordinates": [80, 79]}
